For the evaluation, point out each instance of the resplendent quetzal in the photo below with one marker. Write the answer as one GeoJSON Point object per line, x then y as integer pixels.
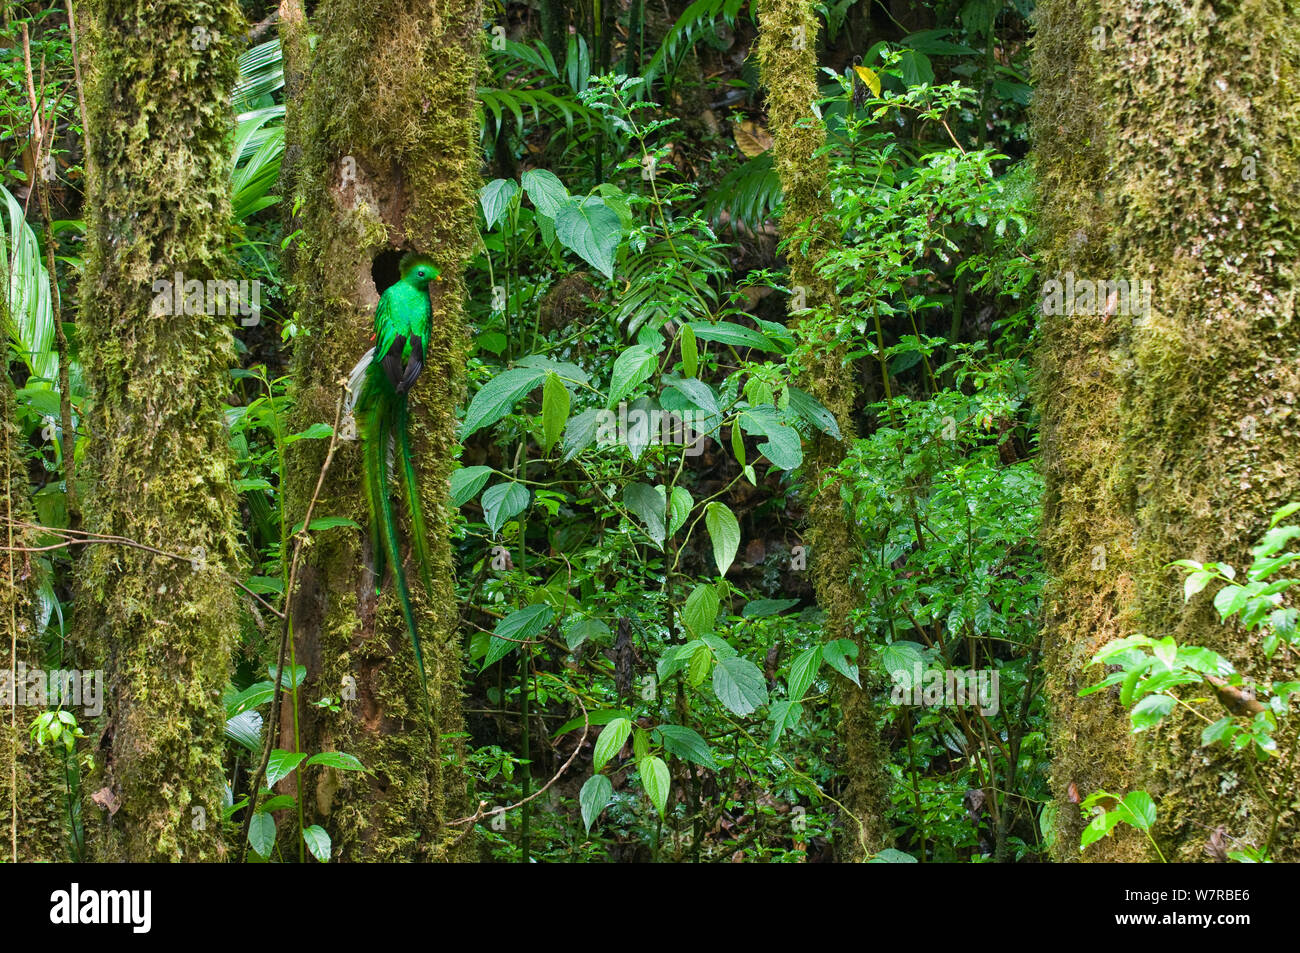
{"type": "Point", "coordinates": [380, 383]}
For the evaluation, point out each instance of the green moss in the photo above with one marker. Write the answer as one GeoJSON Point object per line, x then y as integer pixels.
{"type": "Point", "coordinates": [388, 127]}
{"type": "Point", "coordinates": [1145, 151]}
{"type": "Point", "coordinates": [788, 61]}
{"type": "Point", "coordinates": [158, 197]}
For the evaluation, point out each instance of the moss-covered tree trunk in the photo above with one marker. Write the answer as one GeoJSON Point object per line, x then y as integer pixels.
{"type": "Point", "coordinates": [388, 129]}
{"type": "Point", "coordinates": [787, 44]}
{"type": "Point", "coordinates": [1167, 152]}
{"type": "Point", "coordinates": [160, 464]}
{"type": "Point", "coordinates": [33, 799]}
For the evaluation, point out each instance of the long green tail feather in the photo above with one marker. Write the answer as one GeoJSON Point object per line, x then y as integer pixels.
{"type": "Point", "coordinates": [382, 410]}
{"type": "Point", "coordinates": [419, 538]}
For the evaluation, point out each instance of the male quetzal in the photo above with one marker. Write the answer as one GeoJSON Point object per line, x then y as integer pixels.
{"type": "Point", "coordinates": [379, 385]}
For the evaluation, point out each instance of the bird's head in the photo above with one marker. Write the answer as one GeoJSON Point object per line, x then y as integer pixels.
{"type": "Point", "coordinates": [419, 270]}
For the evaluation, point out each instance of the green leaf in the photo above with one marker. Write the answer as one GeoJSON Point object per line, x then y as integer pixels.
{"type": "Point", "coordinates": [1151, 711]}
{"type": "Point", "coordinates": [281, 802]}
{"type": "Point", "coordinates": [1194, 583]}
{"type": "Point", "coordinates": [1141, 810]}
{"type": "Point", "coordinates": [545, 191]}
{"type": "Point", "coordinates": [803, 671]}
{"type": "Point", "coordinates": [591, 230]}
{"type": "Point", "coordinates": [593, 797]}
{"type": "Point", "coordinates": [612, 738]}
{"type": "Point", "coordinates": [724, 531]}
{"type": "Point", "coordinates": [739, 685]}
{"type": "Point", "coordinates": [289, 680]}
{"type": "Point", "coordinates": [735, 335]}
{"type": "Point", "coordinates": [891, 855]}
{"type": "Point", "coordinates": [656, 780]}
{"type": "Point", "coordinates": [762, 608]}
{"type": "Point", "coordinates": [687, 744]}
{"type": "Point", "coordinates": [580, 432]}
{"type": "Point", "coordinates": [498, 397]}
{"type": "Point", "coordinates": [326, 522]}
{"type": "Point", "coordinates": [837, 655]}
{"type": "Point", "coordinates": [501, 502]}
{"type": "Point", "coordinates": [901, 657]}
{"type": "Point", "coordinates": [813, 411]}
{"type": "Point", "coordinates": [466, 482]}
{"type": "Point", "coordinates": [336, 759]}
{"type": "Point", "coordinates": [1219, 731]}
{"type": "Point", "coordinates": [701, 611]}
{"type": "Point", "coordinates": [595, 719]}
{"type": "Point", "coordinates": [633, 366]}
{"type": "Point", "coordinates": [280, 765]}
{"type": "Point", "coordinates": [583, 630]}
{"type": "Point", "coordinates": [555, 410]}
{"type": "Point", "coordinates": [519, 626]}
{"type": "Point", "coordinates": [318, 842]}
{"type": "Point", "coordinates": [261, 834]}
{"type": "Point", "coordinates": [697, 392]}
{"type": "Point", "coordinates": [314, 432]}
{"type": "Point", "coordinates": [785, 715]}
{"type": "Point", "coordinates": [681, 508]}
{"type": "Point", "coordinates": [495, 198]}
{"type": "Point", "coordinates": [647, 502]}
{"type": "Point", "coordinates": [690, 352]}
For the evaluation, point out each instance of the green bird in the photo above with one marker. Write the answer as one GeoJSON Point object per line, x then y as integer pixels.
{"type": "Point", "coordinates": [380, 384]}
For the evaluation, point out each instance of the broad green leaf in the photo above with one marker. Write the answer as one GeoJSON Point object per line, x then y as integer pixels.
{"type": "Point", "coordinates": [318, 842]}
{"type": "Point", "coordinates": [583, 630]}
{"type": "Point", "coordinates": [838, 654]}
{"type": "Point", "coordinates": [813, 411]}
{"type": "Point", "coordinates": [555, 410]}
{"type": "Point", "coordinates": [681, 508]}
{"type": "Point", "coordinates": [1141, 810]}
{"type": "Point", "coordinates": [519, 626]}
{"type": "Point", "coordinates": [697, 392]}
{"type": "Point", "coordinates": [656, 780]}
{"type": "Point", "coordinates": [280, 765]}
{"type": "Point", "coordinates": [336, 759]}
{"type": "Point", "coordinates": [590, 230]}
{"type": "Point", "coordinates": [580, 432]}
{"type": "Point", "coordinates": [687, 744]}
{"type": "Point", "coordinates": [612, 738]}
{"type": "Point", "coordinates": [501, 502]}
{"type": "Point", "coordinates": [466, 482]}
{"type": "Point", "coordinates": [701, 611]}
{"type": "Point", "coordinates": [1219, 731]}
{"type": "Point", "coordinates": [739, 685]}
{"type": "Point", "coordinates": [647, 502]}
{"type": "Point", "coordinates": [261, 834]}
{"type": "Point", "coordinates": [785, 715]}
{"type": "Point", "coordinates": [545, 191]}
{"type": "Point", "coordinates": [498, 397]}
{"type": "Point", "coordinates": [1151, 711]}
{"type": "Point", "coordinates": [803, 671]}
{"type": "Point", "coordinates": [631, 367]}
{"type": "Point", "coordinates": [593, 797]}
{"type": "Point", "coordinates": [891, 855]}
{"type": "Point", "coordinates": [735, 335]}
{"type": "Point", "coordinates": [495, 198]}
{"type": "Point", "coordinates": [724, 531]}
{"type": "Point", "coordinates": [762, 608]}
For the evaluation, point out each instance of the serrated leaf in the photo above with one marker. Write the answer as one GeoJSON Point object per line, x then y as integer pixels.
{"type": "Point", "coordinates": [803, 671]}
{"type": "Point", "coordinates": [739, 685]}
{"type": "Point", "coordinates": [495, 198]}
{"type": "Point", "coordinates": [701, 610]}
{"type": "Point", "coordinates": [724, 532]}
{"type": "Point", "coordinates": [687, 744]}
{"type": "Point", "coordinates": [498, 397]}
{"type": "Point", "coordinates": [466, 482]}
{"type": "Point", "coordinates": [501, 502]}
{"type": "Point", "coordinates": [545, 191]}
{"type": "Point", "coordinates": [690, 352]}
{"type": "Point", "coordinates": [592, 231]}
{"type": "Point", "coordinates": [633, 366]}
{"type": "Point", "coordinates": [555, 410]}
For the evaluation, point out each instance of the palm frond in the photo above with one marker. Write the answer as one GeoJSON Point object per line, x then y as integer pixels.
{"type": "Point", "coordinates": [29, 315]}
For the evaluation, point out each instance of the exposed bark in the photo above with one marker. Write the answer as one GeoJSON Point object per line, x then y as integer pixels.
{"type": "Point", "coordinates": [158, 201]}
{"type": "Point", "coordinates": [387, 127]}
{"type": "Point", "coordinates": [1167, 152]}
{"type": "Point", "coordinates": [788, 61]}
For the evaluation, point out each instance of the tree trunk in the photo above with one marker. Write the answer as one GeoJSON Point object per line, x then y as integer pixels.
{"type": "Point", "coordinates": [33, 795]}
{"type": "Point", "coordinates": [158, 201]}
{"type": "Point", "coordinates": [387, 127]}
{"type": "Point", "coordinates": [1166, 153]}
{"type": "Point", "coordinates": [787, 44]}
